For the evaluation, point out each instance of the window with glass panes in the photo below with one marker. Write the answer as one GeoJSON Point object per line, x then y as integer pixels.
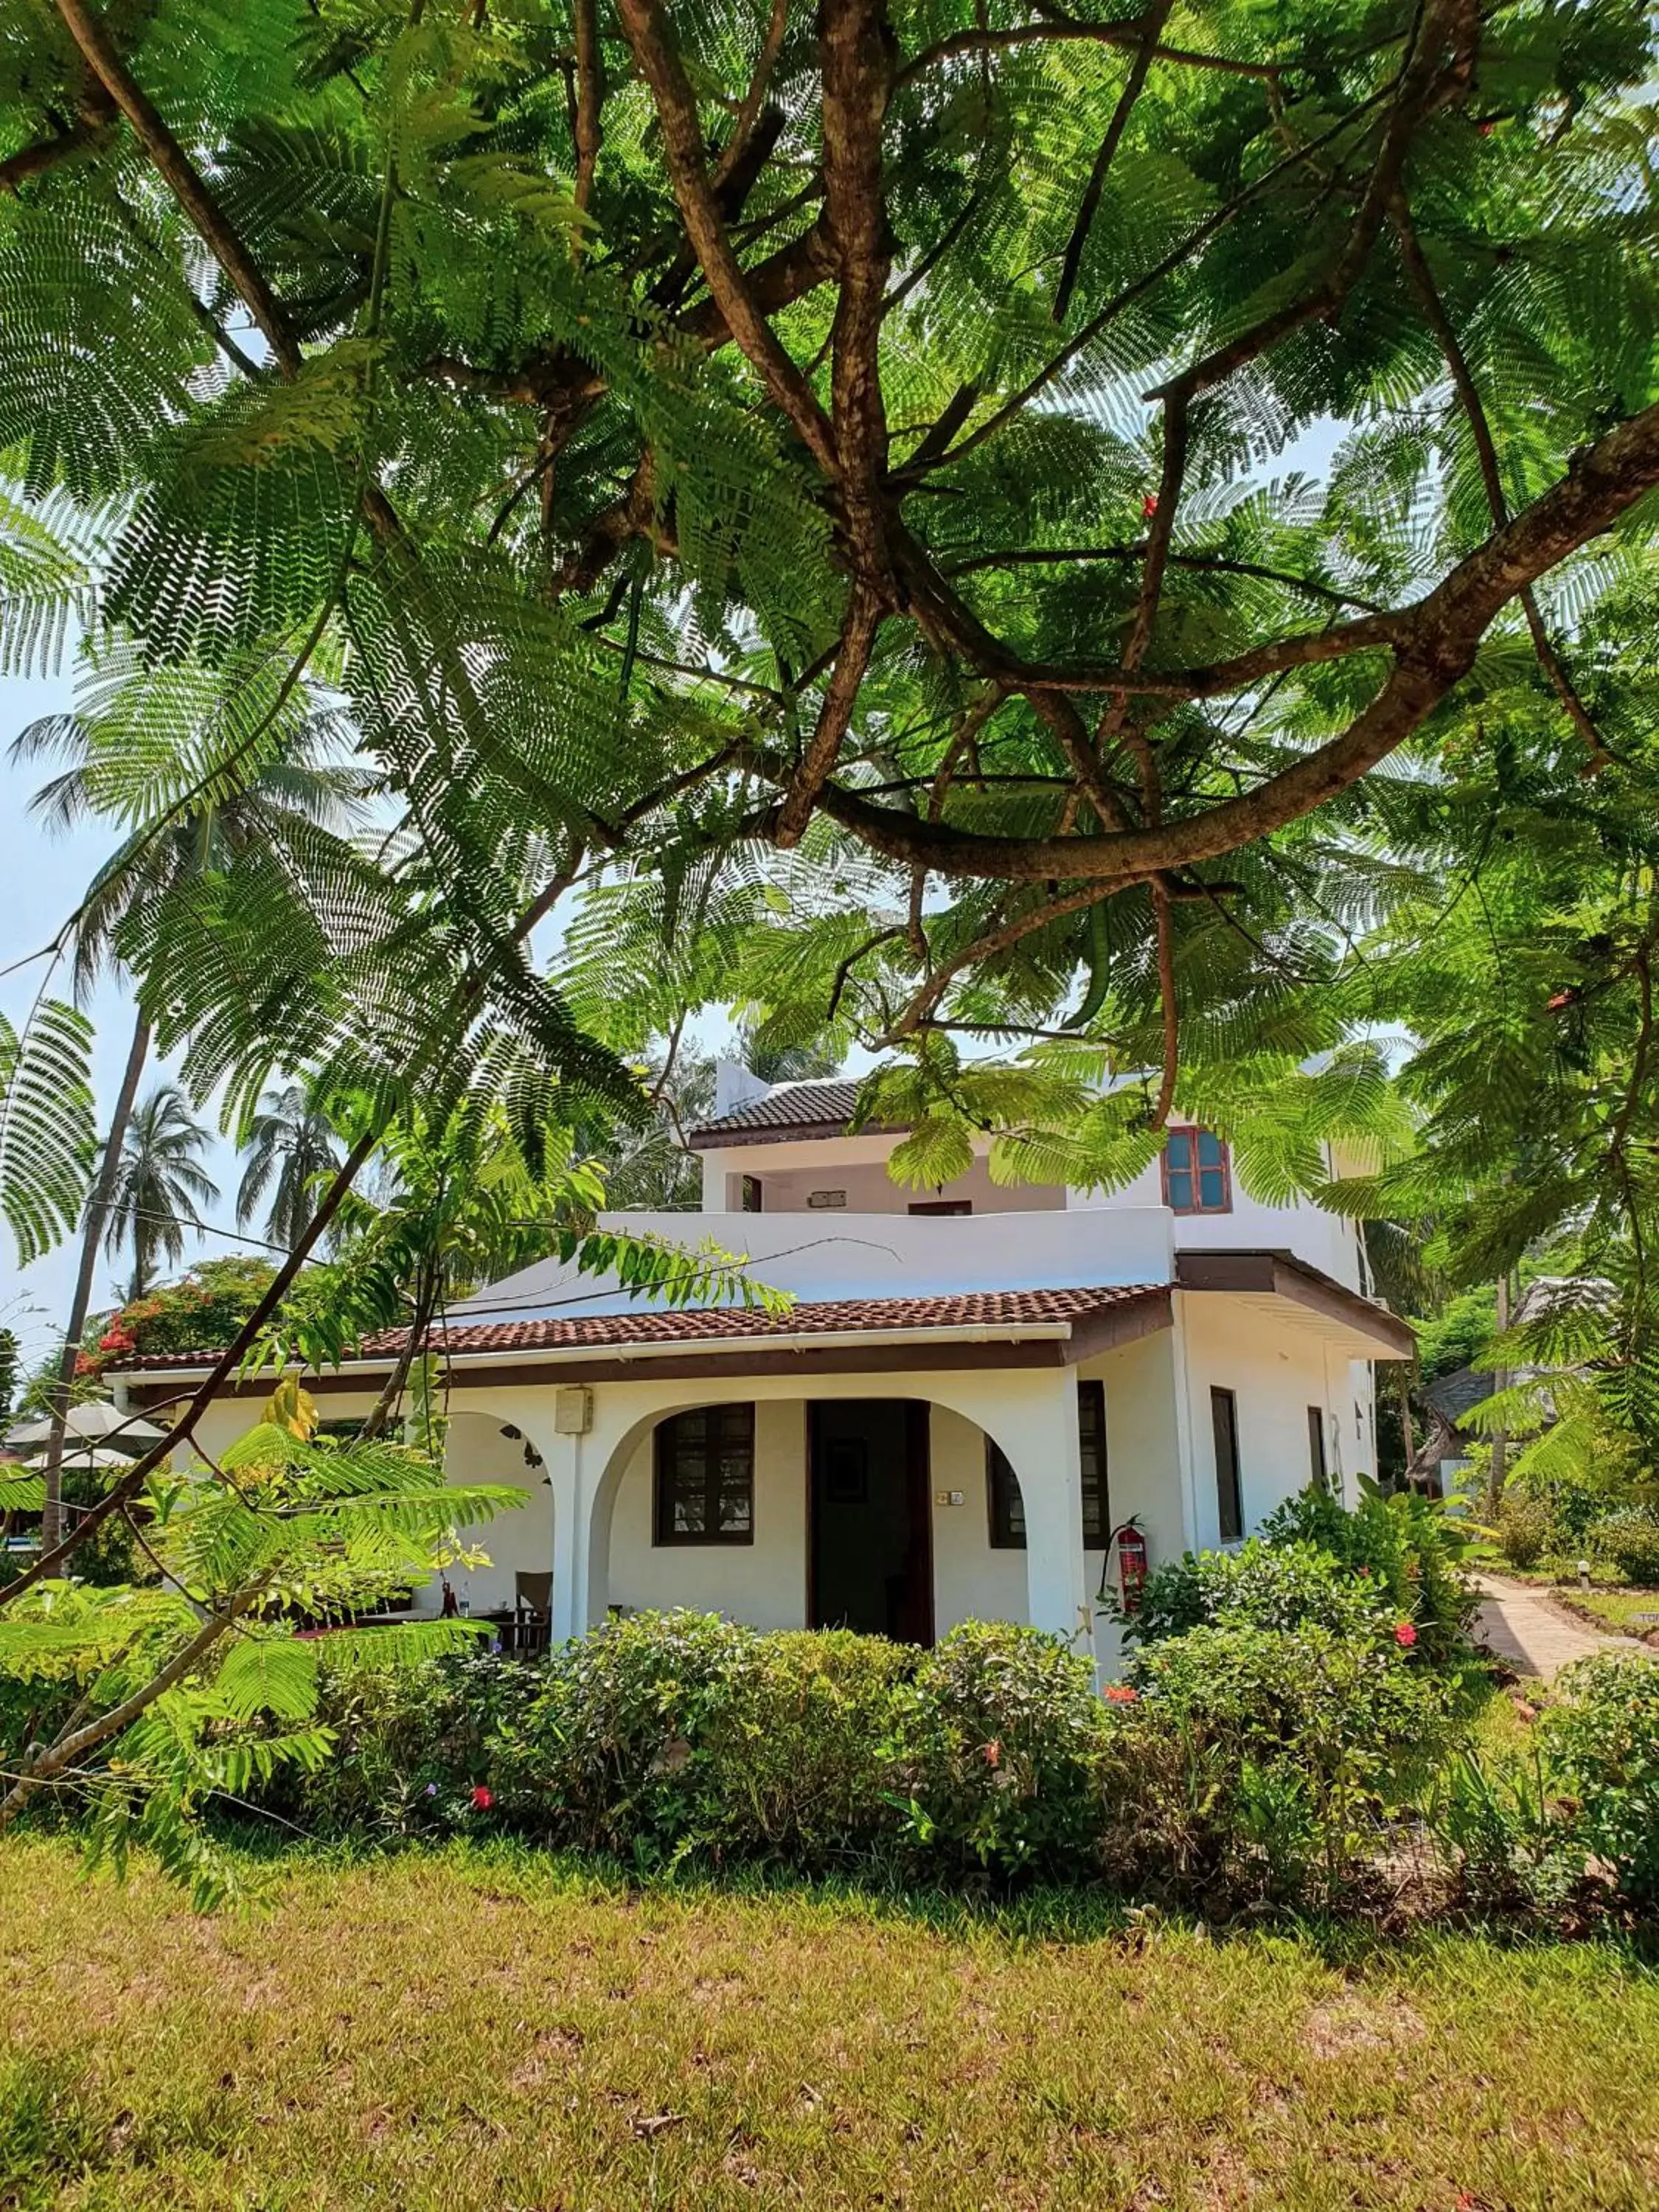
{"type": "Point", "coordinates": [705, 1476]}
{"type": "Point", "coordinates": [1007, 1507]}
{"type": "Point", "coordinates": [1196, 1176]}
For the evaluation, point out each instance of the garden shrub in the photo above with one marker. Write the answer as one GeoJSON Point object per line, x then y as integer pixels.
{"type": "Point", "coordinates": [663, 1735]}
{"type": "Point", "coordinates": [666, 1736]}
{"type": "Point", "coordinates": [1602, 1749]}
{"type": "Point", "coordinates": [412, 1746]}
{"type": "Point", "coordinates": [1502, 1835]}
{"type": "Point", "coordinates": [1286, 1585]}
{"type": "Point", "coordinates": [1256, 1764]}
{"type": "Point", "coordinates": [996, 1736]}
{"type": "Point", "coordinates": [1527, 1530]}
{"type": "Point", "coordinates": [1408, 1545]}
{"type": "Point", "coordinates": [1630, 1539]}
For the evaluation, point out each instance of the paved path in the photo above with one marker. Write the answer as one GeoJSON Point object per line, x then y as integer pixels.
{"type": "Point", "coordinates": [1523, 1626]}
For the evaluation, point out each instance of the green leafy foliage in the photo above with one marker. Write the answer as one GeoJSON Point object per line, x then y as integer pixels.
{"type": "Point", "coordinates": [1261, 1763]}
{"type": "Point", "coordinates": [1283, 1584]}
{"type": "Point", "coordinates": [47, 1127]}
{"type": "Point", "coordinates": [1630, 1539]}
{"type": "Point", "coordinates": [1408, 1545]}
{"type": "Point", "coordinates": [996, 1733]}
{"type": "Point", "coordinates": [1602, 1746]}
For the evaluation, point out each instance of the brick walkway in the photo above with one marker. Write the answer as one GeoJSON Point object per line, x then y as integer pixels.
{"type": "Point", "coordinates": [1522, 1627]}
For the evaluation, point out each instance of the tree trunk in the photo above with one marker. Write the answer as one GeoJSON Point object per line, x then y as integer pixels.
{"type": "Point", "coordinates": [1403, 1376]}
{"type": "Point", "coordinates": [1500, 1442]}
{"type": "Point", "coordinates": [52, 1512]}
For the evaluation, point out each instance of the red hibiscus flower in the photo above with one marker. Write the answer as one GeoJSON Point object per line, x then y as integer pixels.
{"type": "Point", "coordinates": [1149, 504]}
{"type": "Point", "coordinates": [482, 1798]}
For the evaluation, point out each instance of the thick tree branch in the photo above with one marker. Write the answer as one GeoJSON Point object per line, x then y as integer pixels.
{"type": "Point", "coordinates": [858, 636]}
{"type": "Point", "coordinates": [182, 180]}
{"type": "Point", "coordinates": [855, 49]}
{"type": "Point", "coordinates": [590, 98]}
{"type": "Point", "coordinates": [1434, 643]}
{"type": "Point", "coordinates": [657, 55]}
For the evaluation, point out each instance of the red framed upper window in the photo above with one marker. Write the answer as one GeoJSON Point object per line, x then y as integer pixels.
{"type": "Point", "coordinates": [1197, 1173]}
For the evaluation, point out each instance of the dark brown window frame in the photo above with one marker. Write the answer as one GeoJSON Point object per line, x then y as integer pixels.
{"type": "Point", "coordinates": [1229, 1473]}
{"type": "Point", "coordinates": [1002, 1491]}
{"type": "Point", "coordinates": [667, 1478]}
{"type": "Point", "coordinates": [1318, 1459]}
{"type": "Point", "coordinates": [1195, 1130]}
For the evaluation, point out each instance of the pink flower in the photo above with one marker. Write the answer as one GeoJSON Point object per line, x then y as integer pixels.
{"type": "Point", "coordinates": [1404, 1635]}
{"type": "Point", "coordinates": [992, 1752]}
{"type": "Point", "coordinates": [1120, 1693]}
{"type": "Point", "coordinates": [482, 1798]}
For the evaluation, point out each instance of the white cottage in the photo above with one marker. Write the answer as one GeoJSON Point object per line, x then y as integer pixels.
{"type": "Point", "coordinates": [972, 1392]}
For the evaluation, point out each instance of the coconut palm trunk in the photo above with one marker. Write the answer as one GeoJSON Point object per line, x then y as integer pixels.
{"type": "Point", "coordinates": [92, 1231]}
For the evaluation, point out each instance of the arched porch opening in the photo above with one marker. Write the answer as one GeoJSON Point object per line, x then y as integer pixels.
{"type": "Point", "coordinates": [880, 1514]}
{"type": "Point", "coordinates": [510, 1562]}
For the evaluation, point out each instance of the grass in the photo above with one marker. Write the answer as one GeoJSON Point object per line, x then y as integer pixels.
{"type": "Point", "coordinates": [1626, 1611]}
{"type": "Point", "coordinates": [498, 2029]}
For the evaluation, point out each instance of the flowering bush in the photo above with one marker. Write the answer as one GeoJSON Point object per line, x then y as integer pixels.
{"type": "Point", "coordinates": [202, 1311]}
{"type": "Point", "coordinates": [413, 1747]}
{"type": "Point", "coordinates": [1407, 1546]}
{"type": "Point", "coordinates": [1258, 1765]}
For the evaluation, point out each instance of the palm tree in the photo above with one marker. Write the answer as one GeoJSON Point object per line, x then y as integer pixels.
{"type": "Point", "coordinates": [290, 1147]}
{"type": "Point", "coordinates": [294, 788]}
{"type": "Point", "coordinates": [158, 1185]}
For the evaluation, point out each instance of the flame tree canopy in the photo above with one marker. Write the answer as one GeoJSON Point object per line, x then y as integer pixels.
{"type": "Point", "coordinates": [1127, 535]}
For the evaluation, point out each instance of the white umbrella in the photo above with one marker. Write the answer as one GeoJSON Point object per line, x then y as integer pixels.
{"type": "Point", "coordinates": [96, 1418]}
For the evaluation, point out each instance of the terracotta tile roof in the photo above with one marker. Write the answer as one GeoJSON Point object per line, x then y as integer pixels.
{"type": "Point", "coordinates": [649, 1325]}
{"type": "Point", "coordinates": [823, 1104]}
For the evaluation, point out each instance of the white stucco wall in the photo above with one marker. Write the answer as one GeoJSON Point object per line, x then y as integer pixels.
{"type": "Point", "coordinates": [1275, 1371]}
{"type": "Point", "coordinates": [790, 1169]}
{"type": "Point", "coordinates": [762, 1584]}
{"type": "Point", "coordinates": [1159, 1452]}
{"type": "Point", "coordinates": [517, 1538]}
{"type": "Point", "coordinates": [971, 1581]}
{"type": "Point", "coordinates": [869, 1188]}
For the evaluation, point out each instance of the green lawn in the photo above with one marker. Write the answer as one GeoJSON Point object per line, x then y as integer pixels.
{"type": "Point", "coordinates": [468, 2029]}
{"type": "Point", "coordinates": [1626, 1611]}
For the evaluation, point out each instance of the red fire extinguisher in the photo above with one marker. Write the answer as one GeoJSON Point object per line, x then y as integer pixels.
{"type": "Point", "coordinates": [1131, 1565]}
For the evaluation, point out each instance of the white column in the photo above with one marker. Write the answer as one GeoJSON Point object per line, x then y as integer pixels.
{"type": "Point", "coordinates": [1049, 1466]}
{"type": "Point", "coordinates": [1186, 1429]}
{"type": "Point", "coordinates": [565, 1462]}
